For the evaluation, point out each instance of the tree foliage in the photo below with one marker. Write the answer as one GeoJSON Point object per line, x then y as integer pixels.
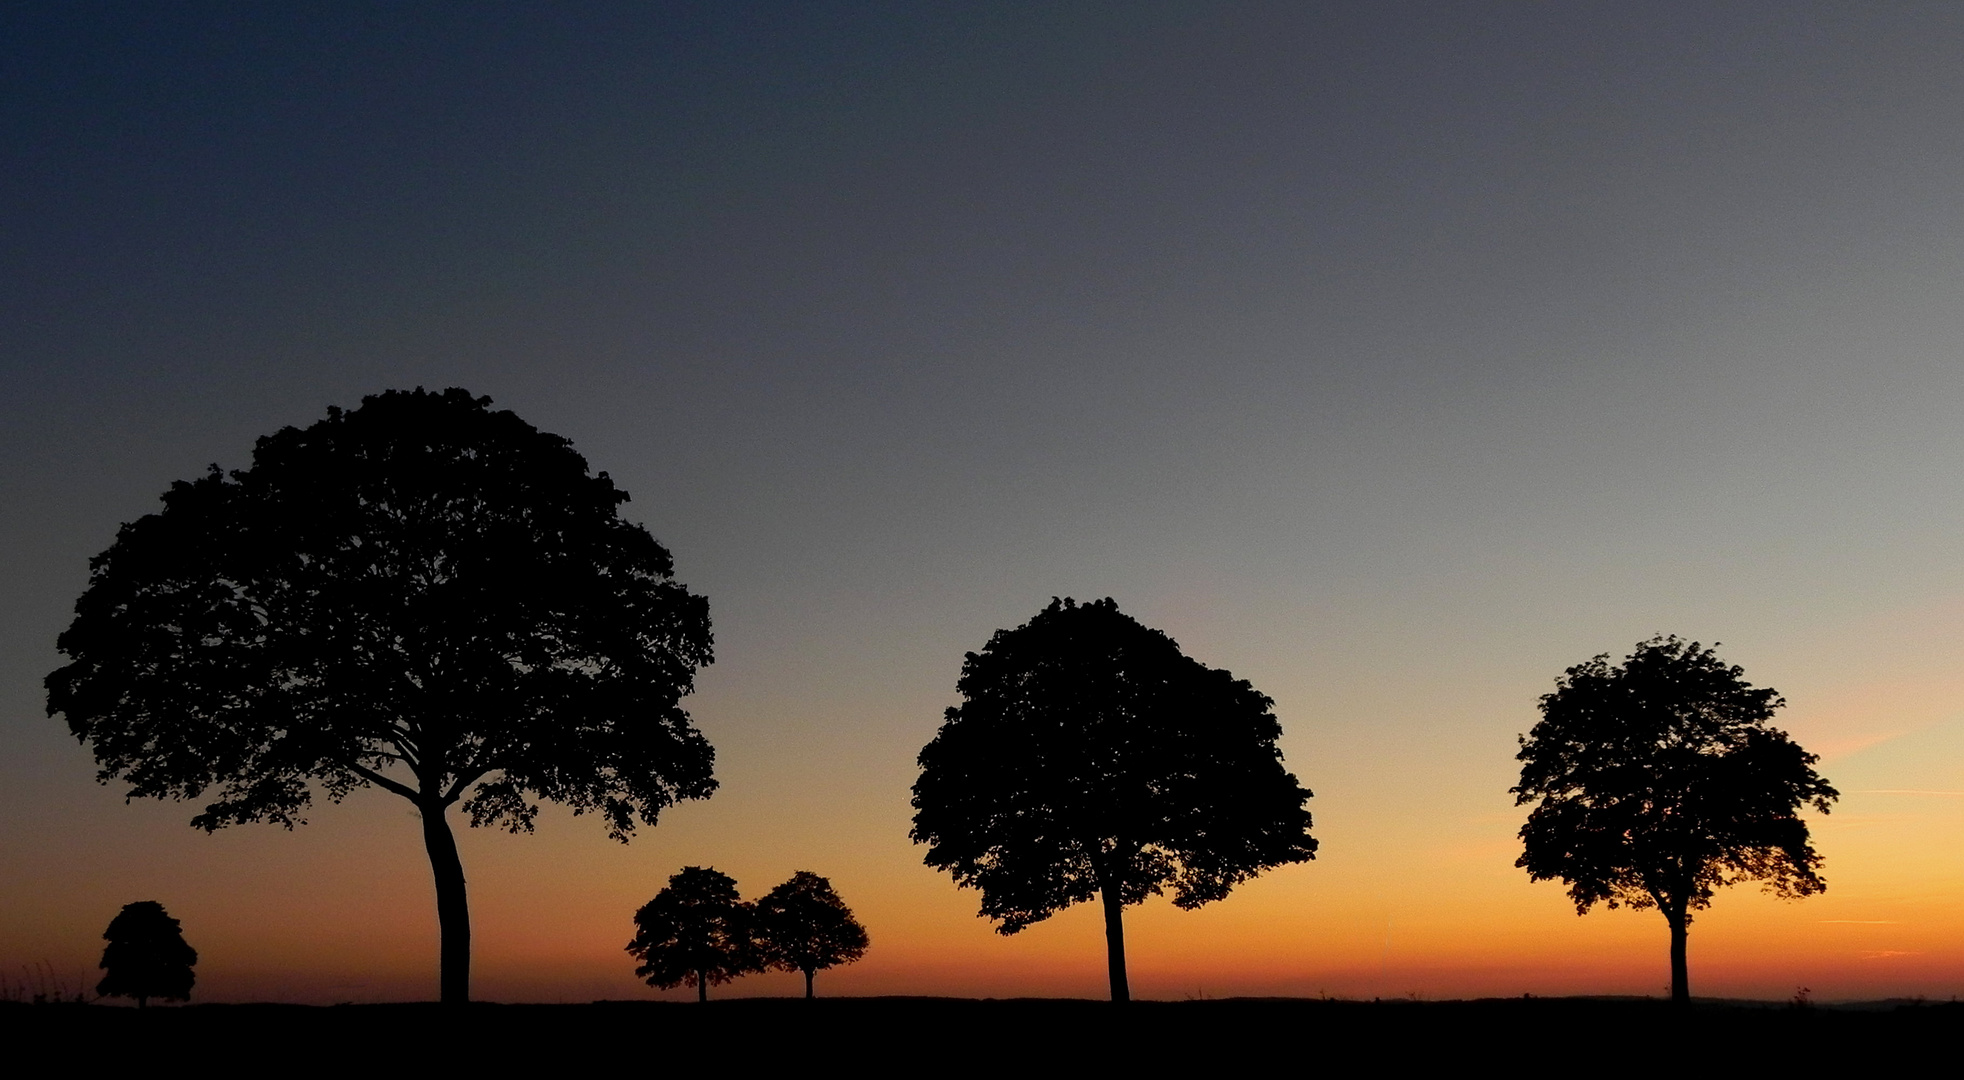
{"type": "Point", "coordinates": [421, 594]}
{"type": "Point", "coordinates": [696, 931]}
{"type": "Point", "coordinates": [1090, 757]}
{"type": "Point", "coordinates": [147, 956]}
{"type": "Point", "coordinates": [803, 925]}
{"type": "Point", "coordinates": [1658, 780]}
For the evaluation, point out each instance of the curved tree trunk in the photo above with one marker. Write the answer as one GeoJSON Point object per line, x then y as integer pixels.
{"type": "Point", "coordinates": [453, 913]}
{"type": "Point", "coordinates": [1680, 973]}
{"type": "Point", "coordinates": [1115, 943]}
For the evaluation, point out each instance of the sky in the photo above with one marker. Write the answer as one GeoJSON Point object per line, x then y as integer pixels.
{"type": "Point", "coordinates": [1394, 357]}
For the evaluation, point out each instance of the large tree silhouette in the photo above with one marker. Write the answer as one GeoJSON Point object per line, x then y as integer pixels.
{"type": "Point", "coordinates": [421, 594]}
{"type": "Point", "coordinates": [1090, 757]}
{"type": "Point", "coordinates": [1658, 780]}
{"type": "Point", "coordinates": [697, 930]}
{"type": "Point", "coordinates": [147, 956]}
{"type": "Point", "coordinates": [802, 925]}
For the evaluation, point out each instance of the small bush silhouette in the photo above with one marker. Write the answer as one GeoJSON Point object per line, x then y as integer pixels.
{"type": "Point", "coordinates": [147, 956]}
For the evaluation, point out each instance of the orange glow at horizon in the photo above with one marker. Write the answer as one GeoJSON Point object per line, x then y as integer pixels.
{"type": "Point", "coordinates": [1415, 898]}
{"type": "Point", "coordinates": [550, 919]}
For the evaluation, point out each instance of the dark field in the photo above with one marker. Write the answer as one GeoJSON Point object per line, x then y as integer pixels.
{"type": "Point", "coordinates": [1557, 1036]}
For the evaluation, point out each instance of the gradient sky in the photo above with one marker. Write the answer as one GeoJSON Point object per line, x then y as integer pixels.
{"type": "Point", "coordinates": [1393, 357]}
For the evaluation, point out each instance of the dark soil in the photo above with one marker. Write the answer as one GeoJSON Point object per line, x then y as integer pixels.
{"type": "Point", "coordinates": [1550, 1036]}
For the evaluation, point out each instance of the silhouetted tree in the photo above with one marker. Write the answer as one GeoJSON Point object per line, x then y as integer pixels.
{"type": "Point", "coordinates": [423, 595]}
{"type": "Point", "coordinates": [695, 931]}
{"type": "Point", "coordinates": [147, 956]}
{"type": "Point", "coordinates": [802, 925]}
{"type": "Point", "coordinates": [1658, 781]}
{"type": "Point", "coordinates": [1090, 757]}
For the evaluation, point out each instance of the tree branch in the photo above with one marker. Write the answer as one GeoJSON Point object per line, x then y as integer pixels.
{"type": "Point", "coordinates": [403, 739]}
{"type": "Point", "coordinates": [383, 782]}
{"type": "Point", "coordinates": [1657, 895]}
{"type": "Point", "coordinates": [463, 781]}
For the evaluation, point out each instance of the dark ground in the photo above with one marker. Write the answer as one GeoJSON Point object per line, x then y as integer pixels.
{"type": "Point", "coordinates": [1556, 1036]}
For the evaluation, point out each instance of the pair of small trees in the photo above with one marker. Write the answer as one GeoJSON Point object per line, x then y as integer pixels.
{"type": "Point", "coordinates": [698, 931]}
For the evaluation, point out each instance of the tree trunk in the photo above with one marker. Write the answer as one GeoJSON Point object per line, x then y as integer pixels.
{"type": "Point", "coordinates": [1680, 973]}
{"type": "Point", "coordinates": [808, 984]}
{"type": "Point", "coordinates": [1115, 943]}
{"type": "Point", "coordinates": [702, 987]}
{"type": "Point", "coordinates": [453, 913]}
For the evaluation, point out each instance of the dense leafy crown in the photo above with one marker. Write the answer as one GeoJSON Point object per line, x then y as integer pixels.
{"type": "Point", "coordinates": [696, 930]}
{"type": "Point", "coordinates": [1658, 780]}
{"type": "Point", "coordinates": [1090, 754]}
{"type": "Point", "coordinates": [422, 594]}
{"type": "Point", "coordinates": [147, 956]}
{"type": "Point", "coordinates": [803, 925]}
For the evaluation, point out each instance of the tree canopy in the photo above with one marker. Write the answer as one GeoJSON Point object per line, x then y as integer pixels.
{"type": "Point", "coordinates": [697, 931]}
{"type": "Point", "coordinates": [422, 594]}
{"type": "Point", "coordinates": [1658, 780]}
{"type": "Point", "coordinates": [1090, 757]}
{"type": "Point", "coordinates": [147, 956]}
{"type": "Point", "coordinates": [802, 925]}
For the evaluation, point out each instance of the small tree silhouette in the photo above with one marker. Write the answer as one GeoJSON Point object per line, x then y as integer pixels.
{"type": "Point", "coordinates": [695, 931]}
{"type": "Point", "coordinates": [1090, 757]}
{"type": "Point", "coordinates": [147, 956]}
{"type": "Point", "coordinates": [1658, 781]}
{"type": "Point", "coordinates": [802, 925]}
